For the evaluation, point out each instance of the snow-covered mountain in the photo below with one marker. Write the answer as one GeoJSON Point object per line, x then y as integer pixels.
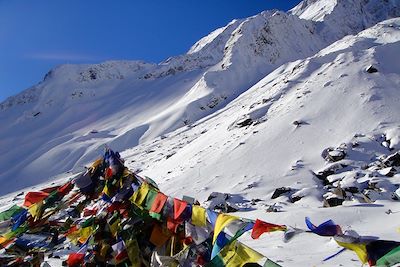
{"type": "Point", "coordinates": [306, 102]}
{"type": "Point", "coordinates": [63, 122]}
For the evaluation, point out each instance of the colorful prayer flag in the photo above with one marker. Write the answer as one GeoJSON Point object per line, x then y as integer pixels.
{"type": "Point", "coordinates": [261, 227]}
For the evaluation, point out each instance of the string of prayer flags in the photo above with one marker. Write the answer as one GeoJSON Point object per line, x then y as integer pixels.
{"type": "Point", "coordinates": [133, 223]}
{"type": "Point", "coordinates": [261, 227]}
{"type": "Point", "coordinates": [328, 228]}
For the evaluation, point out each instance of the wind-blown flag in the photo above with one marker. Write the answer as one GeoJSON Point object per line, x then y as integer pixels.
{"type": "Point", "coordinates": [198, 215]}
{"type": "Point", "coordinates": [140, 195]}
{"type": "Point", "coordinates": [121, 253]}
{"type": "Point", "coordinates": [34, 197]}
{"type": "Point", "coordinates": [353, 244]}
{"type": "Point", "coordinates": [391, 258]}
{"type": "Point", "coordinates": [150, 198]}
{"type": "Point", "coordinates": [7, 214]}
{"type": "Point", "coordinates": [222, 221]}
{"type": "Point", "coordinates": [158, 203]}
{"type": "Point", "coordinates": [236, 254]}
{"type": "Point", "coordinates": [212, 216]}
{"type": "Point", "coordinates": [261, 227]}
{"type": "Point", "coordinates": [77, 259]}
{"type": "Point", "coordinates": [328, 228]}
{"type": "Point", "coordinates": [179, 207]}
{"type": "Point", "coordinates": [19, 219]}
{"type": "Point", "coordinates": [377, 249]}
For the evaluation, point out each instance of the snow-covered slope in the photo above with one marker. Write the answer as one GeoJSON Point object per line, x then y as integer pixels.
{"type": "Point", "coordinates": [337, 18]}
{"type": "Point", "coordinates": [62, 123]}
{"type": "Point", "coordinates": [276, 134]}
{"type": "Point", "coordinates": [330, 95]}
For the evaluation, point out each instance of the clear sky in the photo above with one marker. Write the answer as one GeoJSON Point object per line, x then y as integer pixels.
{"type": "Point", "coordinates": [37, 35]}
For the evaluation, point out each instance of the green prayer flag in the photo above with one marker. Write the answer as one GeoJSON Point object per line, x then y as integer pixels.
{"type": "Point", "coordinates": [390, 259]}
{"type": "Point", "coordinates": [156, 216]}
{"type": "Point", "coordinates": [270, 263]}
{"type": "Point", "coordinates": [88, 222]}
{"type": "Point", "coordinates": [7, 214]}
{"type": "Point", "coordinates": [151, 196]}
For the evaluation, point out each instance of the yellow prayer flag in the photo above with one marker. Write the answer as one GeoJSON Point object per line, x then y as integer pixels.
{"type": "Point", "coordinates": [140, 195]}
{"type": "Point", "coordinates": [35, 210]}
{"type": "Point", "coordinates": [198, 216]}
{"type": "Point", "coordinates": [237, 254]}
{"type": "Point", "coordinates": [114, 227]}
{"type": "Point", "coordinates": [85, 233]}
{"type": "Point", "coordinates": [222, 221]}
{"type": "Point", "coordinates": [358, 248]}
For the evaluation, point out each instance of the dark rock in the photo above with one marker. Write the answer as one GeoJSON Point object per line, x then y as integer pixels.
{"type": "Point", "coordinates": [333, 202]}
{"type": "Point", "coordinates": [226, 207]}
{"type": "Point", "coordinates": [218, 195]}
{"type": "Point", "coordinates": [389, 171]}
{"type": "Point", "coordinates": [280, 191]}
{"type": "Point", "coordinates": [245, 122]}
{"type": "Point", "coordinates": [322, 175]}
{"type": "Point", "coordinates": [392, 160]}
{"type": "Point", "coordinates": [371, 69]}
{"type": "Point", "coordinates": [255, 200]}
{"type": "Point", "coordinates": [352, 189]}
{"type": "Point", "coordinates": [294, 199]}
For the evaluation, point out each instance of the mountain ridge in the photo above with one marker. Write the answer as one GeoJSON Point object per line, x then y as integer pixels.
{"type": "Point", "coordinates": [77, 109]}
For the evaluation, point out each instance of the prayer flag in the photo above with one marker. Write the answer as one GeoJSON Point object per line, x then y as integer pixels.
{"type": "Point", "coordinates": [222, 221]}
{"type": "Point", "coordinates": [140, 195]}
{"type": "Point", "coordinates": [261, 227]}
{"type": "Point", "coordinates": [198, 215]}
{"type": "Point", "coordinates": [328, 228]}
{"type": "Point", "coordinates": [158, 203]}
{"type": "Point", "coordinates": [179, 207]}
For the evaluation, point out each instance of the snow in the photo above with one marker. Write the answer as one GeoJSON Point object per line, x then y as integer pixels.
{"type": "Point", "coordinates": [250, 108]}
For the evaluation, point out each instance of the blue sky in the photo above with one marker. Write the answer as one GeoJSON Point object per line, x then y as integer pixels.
{"type": "Point", "coordinates": [37, 35]}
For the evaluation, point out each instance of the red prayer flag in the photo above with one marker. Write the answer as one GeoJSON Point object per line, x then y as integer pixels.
{"type": "Point", "coordinates": [172, 225]}
{"type": "Point", "coordinates": [65, 189]}
{"type": "Point", "coordinates": [75, 259]}
{"type": "Point", "coordinates": [158, 203]}
{"type": "Point", "coordinates": [179, 207]}
{"type": "Point", "coordinates": [261, 227]}
{"type": "Point", "coordinates": [34, 197]}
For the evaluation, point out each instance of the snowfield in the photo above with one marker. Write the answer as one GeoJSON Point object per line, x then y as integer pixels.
{"type": "Point", "coordinates": [307, 100]}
